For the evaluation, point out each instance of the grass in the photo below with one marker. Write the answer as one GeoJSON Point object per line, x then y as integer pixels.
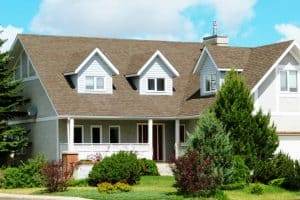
{"type": "Point", "coordinates": [160, 188]}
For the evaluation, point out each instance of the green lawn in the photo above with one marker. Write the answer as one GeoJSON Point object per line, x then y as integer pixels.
{"type": "Point", "coordinates": [161, 188]}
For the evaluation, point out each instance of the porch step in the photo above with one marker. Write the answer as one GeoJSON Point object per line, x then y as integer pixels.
{"type": "Point", "coordinates": [165, 169]}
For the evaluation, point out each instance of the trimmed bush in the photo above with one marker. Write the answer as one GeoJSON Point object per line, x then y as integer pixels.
{"type": "Point", "coordinates": [195, 175]}
{"type": "Point", "coordinates": [122, 187]}
{"type": "Point", "coordinates": [280, 166]}
{"type": "Point", "coordinates": [57, 174]}
{"type": "Point", "coordinates": [106, 187]}
{"type": "Point", "coordinates": [238, 173]}
{"type": "Point", "coordinates": [292, 181]}
{"type": "Point", "coordinates": [257, 189]}
{"type": "Point", "coordinates": [27, 175]}
{"type": "Point", "coordinates": [148, 167]}
{"type": "Point", "coordinates": [120, 167]}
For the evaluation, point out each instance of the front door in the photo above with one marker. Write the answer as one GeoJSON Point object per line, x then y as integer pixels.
{"type": "Point", "coordinates": [158, 131]}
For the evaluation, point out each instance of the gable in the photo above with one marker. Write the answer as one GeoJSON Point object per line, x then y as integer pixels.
{"type": "Point", "coordinates": [157, 68]}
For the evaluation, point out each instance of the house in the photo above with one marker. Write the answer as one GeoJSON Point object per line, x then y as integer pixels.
{"type": "Point", "coordinates": [93, 95]}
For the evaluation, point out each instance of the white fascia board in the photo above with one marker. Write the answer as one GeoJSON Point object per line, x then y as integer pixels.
{"type": "Point", "coordinates": [294, 43]}
{"type": "Point", "coordinates": [205, 50]}
{"type": "Point", "coordinates": [105, 59]}
{"type": "Point", "coordinates": [164, 59]}
{"type": "Point", "coordinates": [229, 69]}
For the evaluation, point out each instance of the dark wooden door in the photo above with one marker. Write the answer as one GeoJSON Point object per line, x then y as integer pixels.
{"type": "Point", "coordinates": [158, 132]}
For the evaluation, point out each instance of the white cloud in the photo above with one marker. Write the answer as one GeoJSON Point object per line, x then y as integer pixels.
{"type": "Point", "coordinates": [231, 14]}
{"type": "Point", "coordinates": [288, 31]}
{"type": "Point", "coordinates": [9, 34]}
{"type": "Point", "coordinates": [147, 19]}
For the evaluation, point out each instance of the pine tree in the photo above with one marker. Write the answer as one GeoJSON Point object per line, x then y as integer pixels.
{"type": "Point", "coordinates": [12, 138]}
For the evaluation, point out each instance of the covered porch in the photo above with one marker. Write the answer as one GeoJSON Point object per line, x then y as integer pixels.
{"type": "Point", "coordinates": [160, 140]}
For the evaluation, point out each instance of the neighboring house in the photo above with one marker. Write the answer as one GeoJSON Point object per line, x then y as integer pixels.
{"type": "Point", "coordinates": [92, 95]}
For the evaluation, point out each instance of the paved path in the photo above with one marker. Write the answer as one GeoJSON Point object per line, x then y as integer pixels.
{"type": "Point", "coordinates": [35, 197]}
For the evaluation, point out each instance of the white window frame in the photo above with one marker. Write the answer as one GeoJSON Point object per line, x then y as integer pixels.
{"type": "Point", "coordinates": [82, 133]}
{"type": "Point", "coordinates": [119, 134]}
{"type": "Point", "coordinates": [209, 76]}
{"type": "Point", "coordinates": [95, 83]}
{"type": "Point", "coordinates": [137, 133]}
{"type": "Point", "coordinates": [288, 82]}
{"type": "Point", "coordinates": [91, 131]}
{"type": "Point", "coordinates": [155, 84]}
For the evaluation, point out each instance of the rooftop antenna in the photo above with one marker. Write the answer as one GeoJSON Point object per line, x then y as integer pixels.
{"type": "Point", "coordinates": [215, 28]}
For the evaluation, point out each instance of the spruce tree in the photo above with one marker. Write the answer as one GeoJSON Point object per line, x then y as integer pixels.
{"type": "Point", "coordinates": [12, 138]}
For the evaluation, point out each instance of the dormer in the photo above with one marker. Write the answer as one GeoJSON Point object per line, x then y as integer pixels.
{"type": "Point", "coordinates": [94, 74]}
{"type": "Point", "coordinates": [155, 77]}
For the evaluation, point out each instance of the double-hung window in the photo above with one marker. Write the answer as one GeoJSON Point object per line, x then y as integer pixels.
{"type": "Point", "coordinates": [94, 83]}
{"type": "Point", "coordinates": [210, 82]}
{"type": "Point", "coordinates": [156, 84]}
{"type": "Point", "coordinates": [289, 81]}
{"type": "Point", "coordinates": [142, 133]}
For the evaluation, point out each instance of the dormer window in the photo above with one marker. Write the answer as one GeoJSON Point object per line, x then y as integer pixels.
{"type": "Point", "coordinates": [288, 81]}
{"type": "Point", "coordinates": [156, 84]}
{"type": "Point", "coordinates": [210, 83]}
{"type": "Point", "coordinates": [95, 83]}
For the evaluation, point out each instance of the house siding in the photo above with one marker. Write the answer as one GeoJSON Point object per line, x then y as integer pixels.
{"type": "Point", "coordinates": [95, 67]}
{"type": "Point", "coordinates": [156, 69]}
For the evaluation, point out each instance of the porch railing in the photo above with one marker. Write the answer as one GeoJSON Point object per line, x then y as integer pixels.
{"type": "Point", "coordinates": [85, 150]}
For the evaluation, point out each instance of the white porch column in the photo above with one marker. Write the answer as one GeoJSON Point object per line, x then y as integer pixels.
{"type": "Point", "coordinates": [150, 137]}
{"type": "Point", "coordinates": [70, 131]}
{"type": "Point", "coordinates": [177, 137]}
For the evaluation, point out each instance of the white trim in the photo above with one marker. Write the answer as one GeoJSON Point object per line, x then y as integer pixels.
{"type": "Point", "coordinates": [91, 133]}
{"type": "Point", "coordinates": [82, 133]}
{"type": "Point", "coordinates": [119, 133]}
{"type": "Point", "coordinates": [31, 78]}
{"type": "Point", "coordinates": [205, 50]}
{"type": "Point", "coordinates": [40, 119]}
{"type": "Point", "coordinates": [164, 59]}
{"type": "Point", "coordinates": [294, 43]}
{"type": "Point", "coordinates": [126, 117]}
{"type": "Point", "coordinates": [105, 59]}
{"type": "Point", "coordinates": [229, 69]}
{"type": "Point", "coordinates": [37, 74]}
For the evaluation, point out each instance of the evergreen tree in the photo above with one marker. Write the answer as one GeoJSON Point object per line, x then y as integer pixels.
{"type": "Point", "coordinates": [211, 140]}
{"type": "Point", "coordinates": [12, 138]}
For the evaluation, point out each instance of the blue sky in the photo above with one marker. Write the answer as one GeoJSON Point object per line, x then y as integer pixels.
{"type": "Point", "coordinates": [246, 22]}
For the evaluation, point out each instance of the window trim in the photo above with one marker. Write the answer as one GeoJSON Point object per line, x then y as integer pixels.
{"type": "Point", "coordinates": [119, 133]}
{"type": "Point", "coordinates": [137, 133]}
{"type": "Point", "coordinates": [94, 83]}
{"type": "Point", "coordinates": [210, 82]}
{"type": "Point", "coordinates": [82, 133]}
{"type": "Point", "coordinates": [155, 84]}
{"type": "Point", "coordinates": [91, 133]}
{"type": "Point", "coordinates": [287, 81]}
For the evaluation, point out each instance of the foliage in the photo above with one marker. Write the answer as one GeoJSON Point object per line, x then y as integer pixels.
{"type": "Point", "coordinates": [123, 187]}
{"type": "Point", "coordinates": [238, 173]}
{"type": "Point", "coordinates": [106, 187]}
{"type": "Point", "coordinates": [280, 166]}
{"type": "Point", "coordinates": [196, 175]}
{"type": "Point", "coordinates": [234, 108]}
{"type": "Point", "coordinates": [78, 182]}
{"type": "Point", "coordinates": [148, 167]}
{"type": "Point", "coordinates": [234, 186]}
{"type": "Point", "coordinates": [257, 189]}
{"type": "Point", "coordinates": [57, 174]}
{"type": "Point", "coordinates": [292, 181]}
{"type": "Point", "coordinates": [277, 182]}
{"type": "Point", "coordinates": [28, 174]}
{"type": "Point", "coordinates": [120, 167]}
{"type": "Point", "coordinates": [210, 140]}
{"type": "Point", "coordinates": [13, 139]}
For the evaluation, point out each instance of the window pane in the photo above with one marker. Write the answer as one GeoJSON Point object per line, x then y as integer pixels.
{"type": "Point", "coordinates": [78, 135]}
{"type": "Point", "coordinates": [293, 81]}
{"type": "Point", "coordinates": [24, 65]}
{"type": "Point", "coordinates": [89, 82]}
{"type": "Point", "coordinates": [31, 70]}
{"type": "Point", "coordinates": [99, 83]}
{"type": "Point", "coordinates": [145, 133]}
{"type": "Point", "coordinates": [160, 84]}
{"type": "Point", "coordinates": [18, 71]}
{"type": "Point", "coordinates": [96, 135]}
{"type": "Point", "coordinates": [283, 80]}
{"type": "Point", "coordinates": [207, 83]}
{"type": "Point", "coordinates": [150, 84]}
{"type": "Point", "coordinates": [114, 134]}
{"type": "Point", "coordinates": [213, 82]}
{"type": "Point", "coordinates": [140, 133]}
{"type": "Point", "coordinates": [182, 133]}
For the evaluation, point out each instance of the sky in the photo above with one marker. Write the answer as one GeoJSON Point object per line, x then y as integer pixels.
{"type": "Point", "coordinates": [245, 22]}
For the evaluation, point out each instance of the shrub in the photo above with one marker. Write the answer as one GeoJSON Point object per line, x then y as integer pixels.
{"type": "Point", "coordinates": [234, 186]}
{"type": "Point", "coordinates": [196, 175]}
{"type": "Point", "coordinates": [280, 166]}
{"type": "Point", "coordinates": [122, 187]}
{"type": "Point", "coordinates": [148, 167]}
{"type": "Point", "coordinates": [120, 167]}
{"type": "Point", "coordinates": [106, 187]}
{"type": "Point", "coordinates": [292, 181]}
{"type": "Point", "coordinates": [238, 173]}
{"type": "Point", "coordinates": [27, 175]}
{"type": "Point", "coordinates": [277, 182]}
{"type": "Point", "coordinates": [78, 182]}
{"type": "Point", "coordinates": [57, 174]}
{"type": "Point", "coordinates": [257, 189]}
